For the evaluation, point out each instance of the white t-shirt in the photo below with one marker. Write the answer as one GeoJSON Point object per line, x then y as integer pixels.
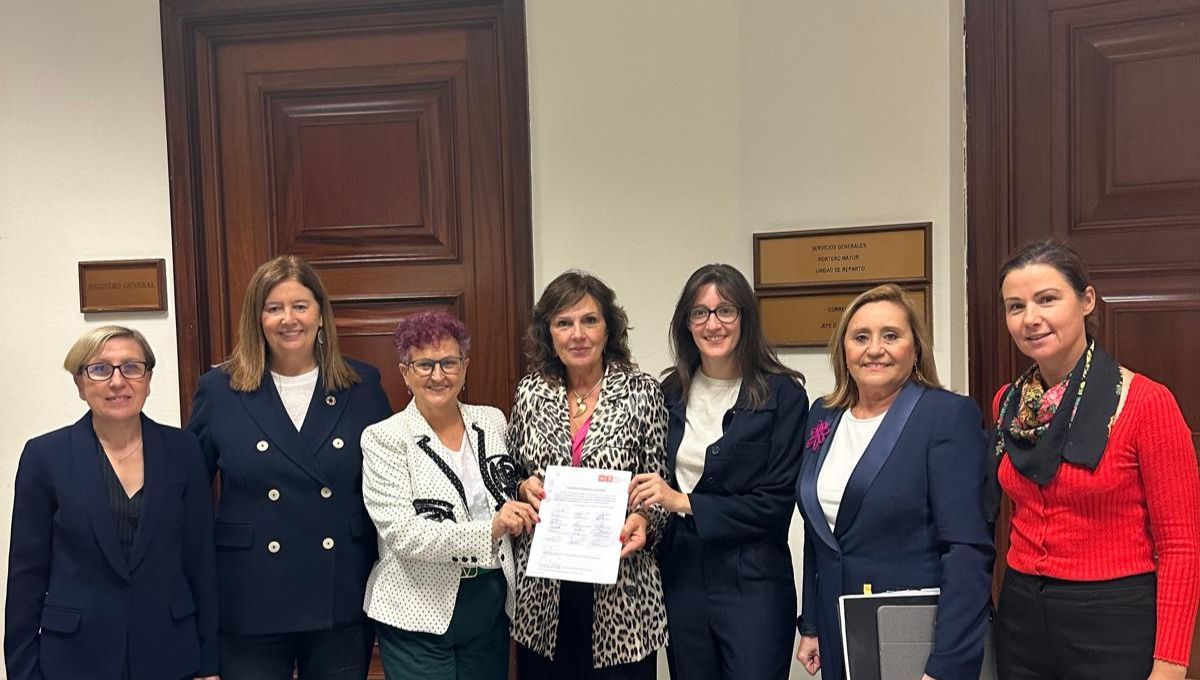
{"type": "Point", "coordinates": [708, 400]}
{"type": "Point", "coordinates": [465, 464]}
{"type": "Point", "coordinates": [296, 392]}
{"type": "Point", "coordinates": [847, 448]}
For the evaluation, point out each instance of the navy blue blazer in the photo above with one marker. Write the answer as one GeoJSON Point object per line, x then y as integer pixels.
{"type": "Point", "coordinates": [910, 518]}
{"type": "Point", "coordinates": [294, 542]}
{"type": "Point", "coordinates": [748, 487]}
{"type": "Point", "coordinates": [76, 607]}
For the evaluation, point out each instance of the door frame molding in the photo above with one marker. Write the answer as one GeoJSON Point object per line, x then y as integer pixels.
{"type": "Point", "coordinates": [990, 235]}
{"type": "Point", "coordinates": [189, 30]}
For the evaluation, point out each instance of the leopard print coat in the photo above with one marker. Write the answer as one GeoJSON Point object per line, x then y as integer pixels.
{"type": "Point", "coordinates": [627, 432]}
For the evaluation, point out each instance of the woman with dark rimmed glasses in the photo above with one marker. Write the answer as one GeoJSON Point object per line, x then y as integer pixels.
{"type": "Point", "coordinates": [111, 573]}
{"type": "Point", "coordinates": [736, 415]}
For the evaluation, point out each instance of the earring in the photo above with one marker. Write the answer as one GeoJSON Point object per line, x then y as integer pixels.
{"type": "Point", "coordinates": [320, 336]}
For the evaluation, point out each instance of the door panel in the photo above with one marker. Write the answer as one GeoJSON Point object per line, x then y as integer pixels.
{"type": "Point", "coordinates": [1084, 124]}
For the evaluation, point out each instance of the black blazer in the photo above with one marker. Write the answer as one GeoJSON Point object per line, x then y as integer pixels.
{"type": "Point", "coordinates": [294, 542]}
{"type": "Point", "coordinates": [76, 607]}
{"type": "Point", "coordinates": [910, 518]}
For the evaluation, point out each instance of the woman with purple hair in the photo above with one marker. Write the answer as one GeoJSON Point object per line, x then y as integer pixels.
{"type": "Point", "coordinates": [439, 485]}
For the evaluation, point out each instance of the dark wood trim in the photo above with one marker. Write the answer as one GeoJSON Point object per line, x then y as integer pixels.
{"type": "Point", "coordinates": [188, 29]}
{"type": "Point", "coordinates": [989, 227]}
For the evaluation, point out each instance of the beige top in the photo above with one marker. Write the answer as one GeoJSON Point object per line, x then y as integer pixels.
{"type": "Point", "coordinates": [708, 400]}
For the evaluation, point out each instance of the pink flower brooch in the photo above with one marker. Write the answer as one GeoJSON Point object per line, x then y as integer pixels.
{"type": "Point", "coordinates": [817, 436]}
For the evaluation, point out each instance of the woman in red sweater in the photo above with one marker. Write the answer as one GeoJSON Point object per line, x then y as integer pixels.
{"type": "Point", "coordinates": [1103, 572]}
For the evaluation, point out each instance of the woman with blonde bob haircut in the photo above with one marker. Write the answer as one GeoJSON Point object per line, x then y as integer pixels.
{"type": "Point", "coordinates": [890, 488]}
{"type": "Point", "coordinates": [110, 564]}
{"type": "Point", "coordinates": [281, 421]}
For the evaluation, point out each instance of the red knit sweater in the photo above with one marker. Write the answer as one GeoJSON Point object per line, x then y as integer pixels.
{"type": "Point", "coordinates": [1142, 503]}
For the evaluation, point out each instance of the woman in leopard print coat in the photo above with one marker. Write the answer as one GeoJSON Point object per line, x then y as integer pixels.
{"type": "Point", "coordinates": [585, 404]}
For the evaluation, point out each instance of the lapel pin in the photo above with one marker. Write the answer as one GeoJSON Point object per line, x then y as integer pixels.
{"type": "Point", "coordinates": [330, 400]}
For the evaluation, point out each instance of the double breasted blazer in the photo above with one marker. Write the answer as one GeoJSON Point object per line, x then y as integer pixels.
{"type": "Point", "coordinates": [427, 534]}
{"type": "Point", "coordinates": [76, 607]}
{"type": "Point", "coordinates": [626, 433]}
{"type": "Point", "coordinates": [910, 518]}
{"type": "Point", "coordinates": [294, 542]}
{"type": "Point", "coordinates": [729, 560]}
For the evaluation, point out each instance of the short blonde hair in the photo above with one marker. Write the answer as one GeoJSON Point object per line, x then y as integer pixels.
{"type": "Point", "coordinates": [92, 342]}
{"type": "Point", "coordinates": [845, 391]}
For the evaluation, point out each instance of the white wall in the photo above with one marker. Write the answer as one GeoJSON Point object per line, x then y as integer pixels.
{"type": "Point", "coordinates": [664, 134]}
{"type": "Point", "coordinates": [634, 113]}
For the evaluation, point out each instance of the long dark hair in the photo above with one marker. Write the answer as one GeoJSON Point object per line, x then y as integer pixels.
{"type": "Point", "coordinates": [755, 356]}
{"type": "Point", "coordinates": [563, 292]}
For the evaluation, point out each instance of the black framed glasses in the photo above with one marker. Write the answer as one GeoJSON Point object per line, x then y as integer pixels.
{"type": "Point", "coordinates": [424, 367]}
{"type": "Point", "coordinates": [130, 370]}
{"type": "Point", "coordinates": [698, 315]}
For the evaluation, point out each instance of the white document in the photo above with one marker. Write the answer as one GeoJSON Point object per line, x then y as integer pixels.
{"type": "Point", "coordinates": [579, 536]}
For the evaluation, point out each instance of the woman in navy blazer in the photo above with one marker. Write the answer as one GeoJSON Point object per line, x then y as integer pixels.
{"type": "Point", "coordinates": [736, 416]}
{"type": "Point", "coordinates": [281, 421]}
{"type": "Point", "coordinates": [890, 488]}
{"type": "Point", "coordinates": [110, 564]}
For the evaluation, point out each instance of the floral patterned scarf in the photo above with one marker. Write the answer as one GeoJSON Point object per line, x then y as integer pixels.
{"type": "Point", "coordinates": [1039, 427]}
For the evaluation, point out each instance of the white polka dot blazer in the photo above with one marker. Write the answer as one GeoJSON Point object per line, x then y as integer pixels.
{"type": "Point", "coordinates": [427, 537]}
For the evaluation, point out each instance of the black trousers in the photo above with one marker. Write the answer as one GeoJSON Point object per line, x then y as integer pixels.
{"type": "Point", "coordinates": [731, 610]}
{"type": "Point", "coordinates": [342, 653]}
{"type": "Point", "coordinates": [573, 656]}
{"type": "Point", "coordinates": [1049, 629]}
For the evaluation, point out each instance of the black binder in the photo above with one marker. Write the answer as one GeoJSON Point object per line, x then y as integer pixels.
{"type": "Point", "coordinates": [889, 636]}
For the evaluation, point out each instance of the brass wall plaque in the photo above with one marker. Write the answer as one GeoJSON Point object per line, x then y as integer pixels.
{"type": "Point", "coordinates": [806, 319]}
{"type": "Point", "coordinates": [894, 253]}
{"type": "Point", "coordinates": [122, 286]}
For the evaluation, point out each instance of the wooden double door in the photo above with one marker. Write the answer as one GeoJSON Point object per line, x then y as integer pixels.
{"type": "Point", "coordinates": [1084, 124]}
{"type": "Point", "coordinates": [385, 141]}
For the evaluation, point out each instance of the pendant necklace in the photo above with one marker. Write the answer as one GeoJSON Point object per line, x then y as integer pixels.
{"type": "Point", "coordinates": [580, 405]}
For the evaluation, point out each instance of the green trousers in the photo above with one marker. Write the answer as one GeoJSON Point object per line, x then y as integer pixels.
{"type": "Point", "coordinates": [474, 647]}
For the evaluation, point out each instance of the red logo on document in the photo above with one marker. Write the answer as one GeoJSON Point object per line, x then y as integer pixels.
{"type": "Point", "coordinates": [605, 478]}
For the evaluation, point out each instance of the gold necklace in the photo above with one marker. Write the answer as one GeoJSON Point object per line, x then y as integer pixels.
{"type": "Point", "coordinates": [122, 459]}
{"type": "Point", "coordinates": [580, 402]}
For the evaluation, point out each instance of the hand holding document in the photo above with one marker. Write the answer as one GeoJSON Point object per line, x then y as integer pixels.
{"type": "Point", "coordinates": [579, 537]}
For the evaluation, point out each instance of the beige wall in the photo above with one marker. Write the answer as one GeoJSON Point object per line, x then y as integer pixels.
{"type": "Point", "coordinates": [664, 133]}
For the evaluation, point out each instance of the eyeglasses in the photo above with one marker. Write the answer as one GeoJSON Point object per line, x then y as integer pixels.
{"type": "Point", "coordinates": [130, 370]}
{"type": "Point", "coordinates": [698, 315]}
{"type": "Point", "coordinates": [424, 367]}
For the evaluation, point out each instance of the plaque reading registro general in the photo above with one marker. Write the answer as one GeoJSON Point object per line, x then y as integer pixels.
{"type": "Point", "coordinates": [890, 253]}
{"type": "Point", "coordinates": [122, 286]}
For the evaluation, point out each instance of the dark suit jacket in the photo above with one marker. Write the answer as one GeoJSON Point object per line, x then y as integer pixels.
{"type": "Point", "coordinates": [75, 605]}
{"type": "Point", "coordinates": [294, 542]}
{"type": "Point", "coordinates": [910, 518]}
{"type": "Point", "coordinates": [748, 487]}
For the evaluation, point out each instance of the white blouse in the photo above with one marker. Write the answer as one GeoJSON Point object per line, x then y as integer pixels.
{"type": "Point", "coordinates": [847, 448]}
{"type": "Point", "coordinates": [465, 464]}
{"type": "Point", "coordinates": [296, 392]}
